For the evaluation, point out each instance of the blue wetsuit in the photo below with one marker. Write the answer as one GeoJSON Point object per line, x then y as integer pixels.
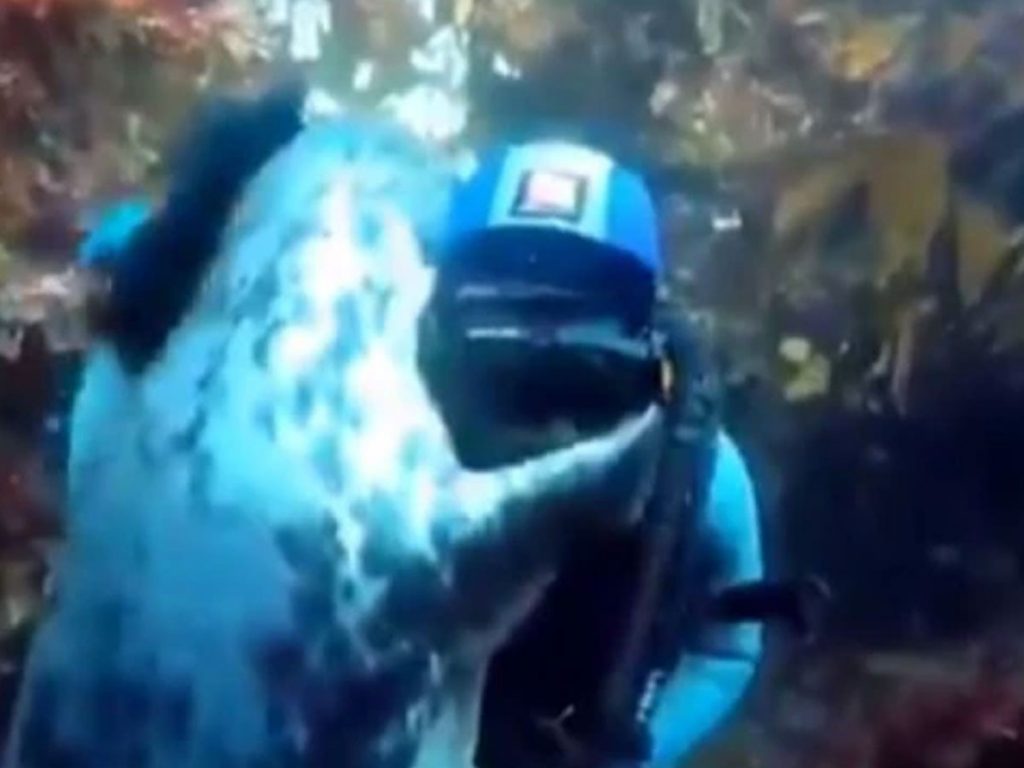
{"type": "Point", "coordinates": [110, 228]}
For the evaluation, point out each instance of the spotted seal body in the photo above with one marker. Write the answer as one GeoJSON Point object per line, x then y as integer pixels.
{"type": "Point", "coordinates": [273, 557]}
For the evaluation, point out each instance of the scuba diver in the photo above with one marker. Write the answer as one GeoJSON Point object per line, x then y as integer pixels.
{"type": "Point", "coordinates": [546, 324]}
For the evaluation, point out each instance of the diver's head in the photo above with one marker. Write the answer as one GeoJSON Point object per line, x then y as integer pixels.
{"type": "Point", "coordinates": [541, 320]}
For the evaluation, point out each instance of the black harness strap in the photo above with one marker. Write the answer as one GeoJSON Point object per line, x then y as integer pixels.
{"type": "Point", "coordinates": [650, 636]}
{"type": "Point", "coordinates": [651, 633]}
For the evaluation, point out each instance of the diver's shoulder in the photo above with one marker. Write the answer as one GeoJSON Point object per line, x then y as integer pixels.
{"type": "Point", "coordinates": [732, 524]}
{"type": "Point", "coordinates": [729, 455]}
{"type": "Point", "coordinates": [732, 489]}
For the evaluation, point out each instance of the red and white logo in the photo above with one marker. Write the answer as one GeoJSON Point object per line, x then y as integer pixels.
{"type": "Point", "coordinates": [550, 194]}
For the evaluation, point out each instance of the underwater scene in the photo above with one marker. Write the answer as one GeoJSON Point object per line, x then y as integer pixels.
{"type": "Point", "coordinates": [511, 384]}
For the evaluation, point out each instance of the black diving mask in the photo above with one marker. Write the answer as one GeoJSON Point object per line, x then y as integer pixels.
{"type": "Point", "coordinates": [526, 349]}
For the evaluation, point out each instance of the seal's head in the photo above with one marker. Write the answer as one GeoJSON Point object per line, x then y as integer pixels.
{"type": "Point", "coordinates": [273, 554]}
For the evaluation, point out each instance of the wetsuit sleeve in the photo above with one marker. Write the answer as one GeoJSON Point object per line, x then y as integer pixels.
{"type": "Point", "coordinates": [110, 230]}
{"type": "Point", "coordinates": [719, 660]}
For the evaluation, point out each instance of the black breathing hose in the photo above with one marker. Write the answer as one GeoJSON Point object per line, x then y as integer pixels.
{"type": "Point", "coordinates": [649, 638]}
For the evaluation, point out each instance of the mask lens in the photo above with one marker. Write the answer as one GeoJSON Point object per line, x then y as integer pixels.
{"type": "Point", "coordinates": [539, 361]}
{"type": "Point", "coordinates": [547, 333]}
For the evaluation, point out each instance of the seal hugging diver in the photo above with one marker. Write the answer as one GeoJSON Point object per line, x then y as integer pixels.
{"type": "Point", "coordinates": [273, 555]}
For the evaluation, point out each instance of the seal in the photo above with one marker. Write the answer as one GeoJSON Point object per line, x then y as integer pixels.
{"type": "Point", "coordinates": [273, 555]}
